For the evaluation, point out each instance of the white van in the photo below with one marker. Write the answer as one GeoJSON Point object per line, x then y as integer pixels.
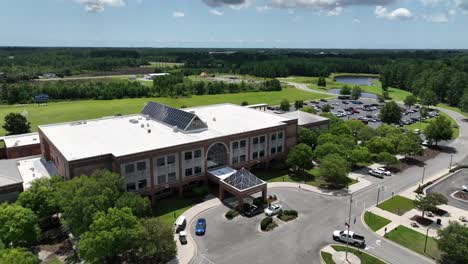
{"type": "Point", "coordinates": [180, 223]}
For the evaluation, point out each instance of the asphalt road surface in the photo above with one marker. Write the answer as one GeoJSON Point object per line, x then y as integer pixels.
{"type": "Point", "coordinates": [450, 185]}
{"type": "Point", "coordinates": [240, 241]}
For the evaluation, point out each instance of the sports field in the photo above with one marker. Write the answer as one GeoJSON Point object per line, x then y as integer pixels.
{"type": "Point", "coordinates": [80, 110]}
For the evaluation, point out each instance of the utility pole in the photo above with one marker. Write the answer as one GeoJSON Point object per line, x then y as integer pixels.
{"type": "Point", "coordinates": [451, 157]}
{"type": "Point", "coordinates": [424, 171]}
{"type": "Point", "coordinates": [349, 224]}
{"type": "Point", "coordinates": [425, 243]}
{"type": "Point", "coordinates": [378, 195]}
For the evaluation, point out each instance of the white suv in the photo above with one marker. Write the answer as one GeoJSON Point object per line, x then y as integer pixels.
{"type": "Point", "coordinates": [273, 209]}
{"type": "Point", "coordinates": [384, 172]}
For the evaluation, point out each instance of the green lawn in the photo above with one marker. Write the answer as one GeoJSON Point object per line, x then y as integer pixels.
{"type": "Point", "coordinates": [456, 109]}
{"type": "Point", "coordinates": [421, 125]}
{"type": "Point", "coordinates": [327, 257]}
{"type": "Point", "coordinates": [168, 209]}
{"type": "Point", "coordinates": [283, 175]}
{"type": "Point", "coordinates": [415, 241]}
{"type": "Point", "coordinates": [80, 110]}
{"type": "Point", "coordinates": [395, 94]}
{"type": "Point", "coordinates": [365, 258]}
{"type": "Point", "coordinates": [398, 205]}
{"type": "Point", "coordinates": [374, 221]}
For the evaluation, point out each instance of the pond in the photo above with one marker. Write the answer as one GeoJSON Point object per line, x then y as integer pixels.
{"type": "Point", "coordinates": [357, 80]}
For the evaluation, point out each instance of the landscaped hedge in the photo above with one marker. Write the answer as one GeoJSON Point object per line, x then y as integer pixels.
{"type": "Point", "coordinates": [287, 215]}
{"type": "Point", "coordinates": [231, 214]}
{"type": "Point", "coordinates": [267, 224]}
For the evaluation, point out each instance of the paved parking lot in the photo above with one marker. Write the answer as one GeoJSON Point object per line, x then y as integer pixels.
{"type": "Point", "coordinates": [450, 185]}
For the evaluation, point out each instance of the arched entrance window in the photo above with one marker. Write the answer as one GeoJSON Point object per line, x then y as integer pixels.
{"type": "Point", "coordinates": [217, 156]}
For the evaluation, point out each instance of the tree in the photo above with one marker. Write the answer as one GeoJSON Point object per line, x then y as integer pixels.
{"type": "Point", "coordinates": [410, 100]}
{"type": "Point", "coordinates": [82, 197]}
{"type": "Point", "coordinates": [409, 144]}
{"type": "Point", "coordinates": [18, 226]}
{"type": "Point", "coordinates": [16, 123]}
{"type": "Point", "coordinates": [463, 104]}
{"type": "Point", "coordinates": [439, 129]}
{"type": "Point", "coordinates": [309, 109]}
{"type": "Point", "coordinates": [284, 105]}
{"type": "Point", "coordinates": [18, 256]}
{"type": "Point", "coordinates": [386, 95]}
{"type": "Point", "coordinates": [156, 242]}
{"type": "Point", "coordinates": [326, 108]}
{"type": "Point", "coordinates": [112, 233]}
{"type": "Point", "coordinates": [380, 98]}
{"type": "Point", "coordinates": [307, 136]}
{"type": "Point", "coordinates": [40, 197]}
{"type": "Point", "coordinates": [453, 242]}
{"type": "Point", "coordinates": [300, 158]}
{"type": "Point", "coordinates": [355, 126]}
{"type": "Point", "coordinates": [386, 158]}
{"type": "Point", "coordinates": [379, 144]}
{"type": "Point", "coordinates": [321, 151]}
{"type": "Point", "coordinates": [322, 82]}
{"type": "Point", "coordinates": [358, 155]}
{"type": "Point", "coordinates": [334, 170]}
{"type": "Point", "coordinates": [244, 103]}
{"type": "Point", "coordinates": [429, 202]}
{"type": "Point", "coordinates": [298, 104]}
{"type": "Point", "coordinates": [390, 113]}
{"type": "Point", "coordinates": [424, 111]}
{"type": "Point", "coordinates": [140, 206]}
{"type": "Point", "coordinates": [428, 97]}
{"type": "Point", "coordinates": [356, 92]}
{"type": "Point", "coordinates": [345, 90]}
{"type": "Point", "coordinates": [366, 133]}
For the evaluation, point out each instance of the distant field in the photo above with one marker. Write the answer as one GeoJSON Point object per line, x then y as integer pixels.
{"type": "Point", "coordinates": [162, 64]}
{"type": "Point", "coordinates": [395, 94]}
{"type": "Point", "coordinates": [88, 109]}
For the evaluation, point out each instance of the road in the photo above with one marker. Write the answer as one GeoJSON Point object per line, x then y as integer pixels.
{"type": "Point", "coordinates": [300, 242]}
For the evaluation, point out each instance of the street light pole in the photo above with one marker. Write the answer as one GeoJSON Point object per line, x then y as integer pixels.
{"type": "Point", "coordinates": [451, 157]}
{"type": "Point", "coordinates": [349, 224]}
{"type": "Point", "coordinates": [425, 243]}
{"type": "Point", "coordinates": [424, 171]}
{"type": "Point", "coordinates": [378, 195]}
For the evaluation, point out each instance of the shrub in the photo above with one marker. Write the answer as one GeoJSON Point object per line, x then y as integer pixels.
{"type": "Point", "coordinates": [267, 223]}
{"type": "Point", "coordinates": [231, 214]}
{"type": "Point", "coordinates": [201, 190]}
{"type": "Point", "coordinates": [259, 201]}
{"type": "Point", "coordinates": [287, 215]}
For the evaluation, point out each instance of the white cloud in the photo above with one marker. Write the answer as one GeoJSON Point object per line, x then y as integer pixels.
{"type": "Point", "coordinates": [234, 4]}
{"type": "Point", "coordinates": [356, 21]}
{"type": "Point", "coordinates": [177, 14]}
{"type": "Point", "coordinates": [263, 8]}
{"type": "Point", "coordinates": [327, 4]}
{"type": "Point", "coordinates": [335, 11]}
{"type": "Point", "coordinates": [216, 12]}
{"type": "Point", "coordinates": [94, 6]}
{"type": "Point", "coordinates": [397, 14]}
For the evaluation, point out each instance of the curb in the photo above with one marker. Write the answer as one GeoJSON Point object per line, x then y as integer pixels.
{"type": "Point", "coordinates": [438, 180]}
{"type": "Point", "coordinates": [323, 261]}
{"type": "Point", "coordinates": [391, 242]}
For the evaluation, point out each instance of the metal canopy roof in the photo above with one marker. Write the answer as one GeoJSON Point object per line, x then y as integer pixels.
{"type": "Point", "coordinates": [243, 179]}
{"type": "Point", "coordinates": [173, 117]}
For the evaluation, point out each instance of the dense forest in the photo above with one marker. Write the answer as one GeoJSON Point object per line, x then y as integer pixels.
{"type": "Point", "coordinates": [432, 75]}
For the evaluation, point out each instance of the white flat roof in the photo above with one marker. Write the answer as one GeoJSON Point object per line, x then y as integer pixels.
{"type": "Point", "coordinates": [119, 136]}
{"type": "Point", "coordinates": [35, 168]}
{"type": "Point", "coordinates": [21, 140]}
{"type": "Point", "coordinates": [304, 118]}
{"type": "Point", "coordinates": [222, 173]}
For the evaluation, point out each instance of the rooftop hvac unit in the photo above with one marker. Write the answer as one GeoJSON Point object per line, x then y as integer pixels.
{"type": "Point", "coordinates": [147, 124]}
{"type": "Point", "coordinates": [133, 121]}
{"type": "Point", "coordinates": [149, 130]}
{"type": "Point", "coordinates": [175, 128]}
{"type": "Point", "coordinates": [192, 112]}
{"type": "Point", "coordinates": [142, 125]}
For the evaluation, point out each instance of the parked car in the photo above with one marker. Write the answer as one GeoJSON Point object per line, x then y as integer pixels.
{"type": "Point", "coordinates": [180, 224]}
{"type": "Point", "coordinates": [183, 237]}
{"type": "Point", "coordinates": [252, 210]}
{"type": "Point", "coordinates": [323, 100]}
{"type": "Point", "coordinates": [345, 102]}
{"type": "Point", "coordinates": [376, 173]}
{"type": "Point", "coordinates": [200, 227]}
{"type": "Point", "coordinates": [351, 238]}
{"type": "Point", "coordinates": [465, 188]}
{"type": "Point", "coordinates": [273, 209]}
{"type": "Point", "coordinates": [384, 172]}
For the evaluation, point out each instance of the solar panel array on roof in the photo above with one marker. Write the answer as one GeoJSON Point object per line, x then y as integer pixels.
{"type": "Point", "coordinates": [243, 179]}
{"type": "Point", "coordinates": [169, 115]}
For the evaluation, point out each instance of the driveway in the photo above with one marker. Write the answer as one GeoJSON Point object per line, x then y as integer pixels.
{"type": "Point", "coordinates": [450, 185]}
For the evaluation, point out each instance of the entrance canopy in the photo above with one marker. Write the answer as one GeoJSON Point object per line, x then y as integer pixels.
{"type": "Point", "coordinates": [242, 180]}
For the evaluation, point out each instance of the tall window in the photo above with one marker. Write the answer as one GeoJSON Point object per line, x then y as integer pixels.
{"type": "Point", "coordinates": [276, 143]}
{"type": "Point", "coordinates": [217, 156]}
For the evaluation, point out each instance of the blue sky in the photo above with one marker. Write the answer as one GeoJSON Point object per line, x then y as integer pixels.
{"type": "Point", "coordinates": [390, 24]}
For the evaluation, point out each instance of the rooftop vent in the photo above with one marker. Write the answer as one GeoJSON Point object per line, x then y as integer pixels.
{"type": "Point", "coordinates": [214, 119]}
{"type": "Point", "coordinates": [133, 121]}
{"type": "Point", "coordinates": [142, 125]}
{"type": "Point", "coordinates": [192, 111]}
{"type": "Point", "coordinates": [175, 128]}
{"type": "Point", "coordinates": [149, 131]}
{"type": "Point", "coordinates": [34, 139]}
{"type": "Point", "coordinates": [147, 124]}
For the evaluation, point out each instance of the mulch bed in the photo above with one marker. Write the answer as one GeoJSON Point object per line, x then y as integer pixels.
{"type": "Point", "coordinates": [462, 195]}
{"type": "Point", "coordinates": [421, 220]}
{"type": "Point", "coordinates": [409, 161]}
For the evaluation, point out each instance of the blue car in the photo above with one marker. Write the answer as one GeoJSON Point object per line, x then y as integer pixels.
{"type": "Point", "coordinates": [200, 228]}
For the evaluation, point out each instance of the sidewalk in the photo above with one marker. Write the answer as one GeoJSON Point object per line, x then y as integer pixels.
{"type": "Point", "coordinates": [363, 183]}
{"type": "Point", "coordinates": [185, 253]}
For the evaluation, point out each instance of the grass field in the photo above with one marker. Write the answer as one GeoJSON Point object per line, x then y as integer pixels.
{"type": "Point", "coordinates": [421, 125]}
{"type": "Point", "coordinates": [456, 109]}
{"type": "Point", "coordinates": [327, 257]}
{"type": "Point", "coordinates": [374, 221]}
{"type": "Point", "coordinates": [89, 109]}
{"type": "Point", "coordinates": [282, 175]}
{"type": "Point", "coordinates": [162, 64]}
{"type": "Point", "coordinates": [398, 205]}
{"type": "Point", "coordinates": [395, 94]}
{"type": "Point", "coordinates": [169, 209]}
{"type": "Point", "coordinates": [415, 241]}
{"type": "Point", "coordinates": [365, 258]}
